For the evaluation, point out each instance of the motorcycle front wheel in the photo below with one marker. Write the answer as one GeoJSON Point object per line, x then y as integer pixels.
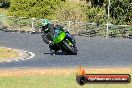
{"type": "Point", "coordinates": [72, 49]}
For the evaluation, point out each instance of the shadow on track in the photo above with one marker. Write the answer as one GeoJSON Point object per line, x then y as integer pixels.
{"type": "Point", "coordinates": [59, 53]}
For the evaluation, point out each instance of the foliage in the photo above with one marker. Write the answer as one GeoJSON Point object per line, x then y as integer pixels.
{"type": "Point", "coordinates": [4, 3]}
{"type": "Point", "coordinates": [96, 3]}
{"type": "Point", "coordinates": [33, 8]}
{"type": "Point", "coordinates": [96, 14]}
{"type": "Point", "coordinates": [92, 11]}
{"type": "Point", "coordinates": [121, 11]}
{"type": "Point", "coordinates": [71, 12]}
{"type": "Point", "coordinates": [51, 9]}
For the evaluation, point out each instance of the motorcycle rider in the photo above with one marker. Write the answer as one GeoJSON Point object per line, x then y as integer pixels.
{"type": "Point", "coordinates": [48, 30]}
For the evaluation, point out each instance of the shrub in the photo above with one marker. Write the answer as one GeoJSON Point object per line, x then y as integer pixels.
{"type": "Point", "coordinates": [33, 8]}
{"type": "Point", "coordinates": [71, 12]}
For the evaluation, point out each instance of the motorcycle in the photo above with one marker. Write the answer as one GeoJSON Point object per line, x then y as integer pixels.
{"type": "Point", "coordinates": [63, 42]}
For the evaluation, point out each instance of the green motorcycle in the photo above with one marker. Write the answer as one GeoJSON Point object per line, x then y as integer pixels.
{"type": "Point", "coordinates": [64, 43]}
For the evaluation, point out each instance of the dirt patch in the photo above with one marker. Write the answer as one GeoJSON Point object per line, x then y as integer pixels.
{"type": "Point", "coordinates": [6, 53]}
{"type": "Point", "coordinates": [115, 70]}
{"type": "Point", "coordinates": [63, 71]}
{"type": "Point", "coordinates": [9, 55]}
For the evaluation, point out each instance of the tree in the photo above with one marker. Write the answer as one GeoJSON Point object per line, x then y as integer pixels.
{"type": "Point", "coordinates": [121, 10]}
{"type": "Point", "coordinates": [96, 3]}
{"type": "Point", "coordinates": [4, 3]}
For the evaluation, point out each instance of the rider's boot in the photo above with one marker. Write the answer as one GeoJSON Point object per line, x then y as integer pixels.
{"type": "Point", "coordinates": [53, 52]}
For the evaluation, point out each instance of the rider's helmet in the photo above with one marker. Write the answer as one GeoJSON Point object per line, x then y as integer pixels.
{"type": "Point", "coordinates": [45, 25]}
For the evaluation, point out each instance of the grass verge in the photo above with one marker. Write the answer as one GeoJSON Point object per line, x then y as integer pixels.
{"type": "Point", "coordinates": [6, 53]}
{"type": "Point", "coordinates": [55, 78]}
{"type": "Point", "coordinates": [24, 28]}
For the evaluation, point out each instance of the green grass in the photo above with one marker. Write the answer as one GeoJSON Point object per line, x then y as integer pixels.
{"type": "Point", "coordinates": [62, 81]}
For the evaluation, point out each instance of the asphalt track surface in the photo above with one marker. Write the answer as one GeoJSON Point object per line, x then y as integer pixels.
{"type": "Point", "coordinates": [92, 52]}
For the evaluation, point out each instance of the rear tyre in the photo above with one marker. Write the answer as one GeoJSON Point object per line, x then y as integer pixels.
{"type": "Point", "coordinates": [72, 49]}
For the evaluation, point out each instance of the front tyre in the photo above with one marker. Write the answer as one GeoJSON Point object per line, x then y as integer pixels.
{"type": "Point", "coordinates": [72, 49]}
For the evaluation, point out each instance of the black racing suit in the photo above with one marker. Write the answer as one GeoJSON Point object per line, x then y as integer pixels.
{"type": "Point", "coordinates": [47, 36]}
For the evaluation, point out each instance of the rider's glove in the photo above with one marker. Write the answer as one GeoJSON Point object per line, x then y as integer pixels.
{"type": "Point", "coordinates": [51, 43]}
